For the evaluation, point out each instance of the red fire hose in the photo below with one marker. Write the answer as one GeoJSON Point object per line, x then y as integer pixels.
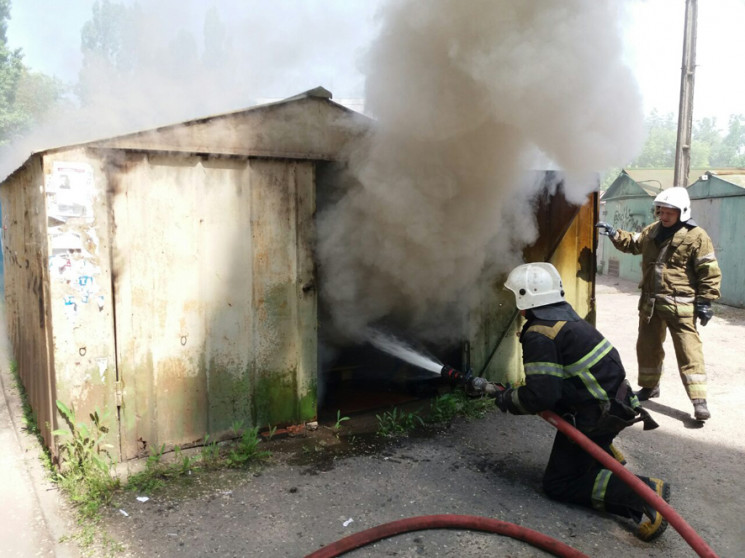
{"type": "Point", "coordinates": [469, 522]}
{"type": "Point", "coordinates": [534, 538]}
{"type": "Point", "coordinates": [641, 488]}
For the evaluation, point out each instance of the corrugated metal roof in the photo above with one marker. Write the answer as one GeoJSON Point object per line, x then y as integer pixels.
{"type": "Point", "coordinates": [319, 93]}
{"type": "Point", "coordinates": [663, 178]}
{"type": "Point", "coordinates": [305, 126]}
{"type": "Point", "coordinates": [734, 176]}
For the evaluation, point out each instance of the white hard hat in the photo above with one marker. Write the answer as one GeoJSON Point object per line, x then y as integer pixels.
{"type": "Point", "coordinates": [535, 284]}
{"type": "Point", "coordinates": [675, 198]}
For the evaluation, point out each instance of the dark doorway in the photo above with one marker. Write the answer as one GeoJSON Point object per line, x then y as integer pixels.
{"type": "Point", "coordinates": [361, 378]}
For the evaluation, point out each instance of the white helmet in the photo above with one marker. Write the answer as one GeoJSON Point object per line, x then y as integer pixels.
{"type": "Point", "coordinates": [675, 198]}
{"type": "Point", "coordinates": [535, 284]}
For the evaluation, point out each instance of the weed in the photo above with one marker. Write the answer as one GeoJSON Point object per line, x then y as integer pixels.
{"type": "Point", "coordinates": [446, 407]}
{"type": "Point", "coordinates": [183, 463]}
{"type": "Point", "coordinates": [152, 477]}
{"type": "Point", "coordinates": [247, 451]}
{"type": "Point", "coordinates": [157, 472]}
{"type": "Point", "coordinates": [339, 420]}
{"type": "Point", "coordinates": [85, 463]}
{"type": "Point", "coordinates": [270, 433]}
{"type": "Point", "coordinates": [210, 453]}
{"type": "Point", "coordinates": [392, 423]}
{"type": "Point", "coordinates": [237, 427]}
{"type": "Point", "coordinates": [29, 419]}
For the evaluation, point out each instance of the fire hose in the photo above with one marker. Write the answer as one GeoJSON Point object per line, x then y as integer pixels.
{"type": "Point", "coordinates": [534, 538]}
{"type": "Point", "coordinates": [468, 522]}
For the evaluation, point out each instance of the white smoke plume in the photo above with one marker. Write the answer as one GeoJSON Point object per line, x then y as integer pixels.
{"type": "Point", "coordinates": [186, 59]}
{"type": "Point", "coordinates": [468, 98]}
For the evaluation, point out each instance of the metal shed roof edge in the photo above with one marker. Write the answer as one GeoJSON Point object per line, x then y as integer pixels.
{"type": "Point", "coordinates": [319, 93]}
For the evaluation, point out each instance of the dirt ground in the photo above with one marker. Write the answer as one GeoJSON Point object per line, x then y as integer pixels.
{"type": "Point", "coordinates": [319, 489]}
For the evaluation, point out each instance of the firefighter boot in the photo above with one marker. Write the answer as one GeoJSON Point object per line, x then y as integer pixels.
{"type": "Point", "coordinates": [700, 410]}
{"type": "Point", "coordinates": [653, 524]}
{"type": "Point", "coordinates": [648, 393]}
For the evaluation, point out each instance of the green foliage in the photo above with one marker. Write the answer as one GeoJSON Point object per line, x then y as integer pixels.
{"type": "Point", "coordinates": [25, 96]}
{"type": "Point", "coordinates": [393, 423]}
{"type": "Point", "coordinates": [11, 70]}
{"type": "Point", "coordinates": [210, 453]}
{"type": "Point", "coordinates": [271, 432]}
{"type": "Point", "coordinates": [157, 472]}
{"type": "Point", "coordinates": [247, 451]}
{"type": "Point", "coordinates": [659, 147]}
{"type": "Point", "coordinates": [339, 420]}
{"type": "Point", "coordinates": [85, 463]}
{"type": "Point", "coordinates": [110, 35]}
{"type": "Point", "coordinates": [450, 405]}
{"type": "Point", "coordinates": [732, 147]}
{"type": "Point", "coordinates": [711, 147]}
{"type": "Point", "coordinates": [445, 407]}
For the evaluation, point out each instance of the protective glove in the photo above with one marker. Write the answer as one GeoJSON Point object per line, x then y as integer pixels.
{"type": "Point", "coordinates": [501, 398]}
{"type": "Point", "coordinates": [704, 312]}
{"type": "Point", "coordinates": [606, 229]}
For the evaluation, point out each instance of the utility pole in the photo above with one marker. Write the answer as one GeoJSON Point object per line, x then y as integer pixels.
{"type": "Point", "coordinates": [685, 110]}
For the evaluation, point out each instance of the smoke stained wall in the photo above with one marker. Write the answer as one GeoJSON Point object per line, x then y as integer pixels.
{"type": "Point", "coordinates": [468, 97]}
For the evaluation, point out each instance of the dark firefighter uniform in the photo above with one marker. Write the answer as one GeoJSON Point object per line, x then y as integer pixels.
{"type": "Point", "coordinates": [571, 369]}
{"type": "Point", "coordinates": [677, 272]}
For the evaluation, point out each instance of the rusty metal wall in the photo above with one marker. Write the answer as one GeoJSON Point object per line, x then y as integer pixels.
{"type": "Point", "coordinates": [26, 287]}
{"type": "Point", "coordinates": [575, 261]}
{"type": "Point", "coordinates": [58, 287]}
{"type": "Point", "coordinates": [79, 280]}
{"type": "Point", "coordinates": [215, 300]}
{"type": "Point", "coordinates": [174, 290]}
{"type": "Point", "coordinates": [566, 239]}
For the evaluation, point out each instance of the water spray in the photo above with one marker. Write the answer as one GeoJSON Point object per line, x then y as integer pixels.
{"type": "Point", "coordinates": [393, 346]}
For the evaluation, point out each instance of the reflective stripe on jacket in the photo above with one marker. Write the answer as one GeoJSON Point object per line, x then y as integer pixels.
{"type": "Point", "coordinates": [679, 271]}
{"type": "Point", "coordinates": [569, 367]}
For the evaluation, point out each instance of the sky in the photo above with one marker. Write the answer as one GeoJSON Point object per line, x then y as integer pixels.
{"type": "Point", "coordinates": [336, 32]}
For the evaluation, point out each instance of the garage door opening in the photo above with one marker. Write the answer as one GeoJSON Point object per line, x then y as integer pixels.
{"type": "Point", "coordinates": [361, 378]}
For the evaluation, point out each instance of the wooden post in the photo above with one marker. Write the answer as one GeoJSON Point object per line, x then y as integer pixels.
{"type": "Point", "coordinates": [685, 110]}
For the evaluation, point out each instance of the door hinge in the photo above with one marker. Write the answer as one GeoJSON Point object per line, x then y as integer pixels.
{"type": "Point", "coordinates": [118, 392]}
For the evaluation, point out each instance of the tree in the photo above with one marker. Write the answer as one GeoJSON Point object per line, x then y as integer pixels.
{"type": "Point", "coordinates": [659, 148]}
{"type": "Point", "coordinates": [11, 69]}
{"type": "Point", "coordinates": [730, 151]}
{"type": "Point", "coordinates": [110, 36]}
{"type": "Point", "coordinates": [709, 149]}
{"type": "Point", "coordinates": [25, 96]}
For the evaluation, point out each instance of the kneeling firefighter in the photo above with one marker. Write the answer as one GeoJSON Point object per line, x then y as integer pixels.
{"type": "Point", "coordinates": [571, 369]}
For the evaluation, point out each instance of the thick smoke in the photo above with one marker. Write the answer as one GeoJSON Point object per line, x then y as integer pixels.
{"type": "Point", "coordinates": [469, 97]}
{"type": "Point", "coordinates": [177, 60]}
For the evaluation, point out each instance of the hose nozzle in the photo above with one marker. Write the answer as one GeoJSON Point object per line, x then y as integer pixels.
{"type": "Point", "coordinates": [455, 376]}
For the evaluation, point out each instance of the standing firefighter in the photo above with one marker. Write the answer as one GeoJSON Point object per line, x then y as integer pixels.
{"type": "Point", "coordinates": [571, 369]}
{"type": "Point", "coordinates": [680, 279]}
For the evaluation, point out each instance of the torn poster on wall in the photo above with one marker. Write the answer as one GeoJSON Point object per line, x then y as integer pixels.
{"type": "Point", "coordinates": [70, 263]}
{"type": "Point", "coordinates": [69, 190]}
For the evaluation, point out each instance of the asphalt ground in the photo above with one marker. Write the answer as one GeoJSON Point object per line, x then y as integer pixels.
{"type": "Point", "coordinates": [314, 492]}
